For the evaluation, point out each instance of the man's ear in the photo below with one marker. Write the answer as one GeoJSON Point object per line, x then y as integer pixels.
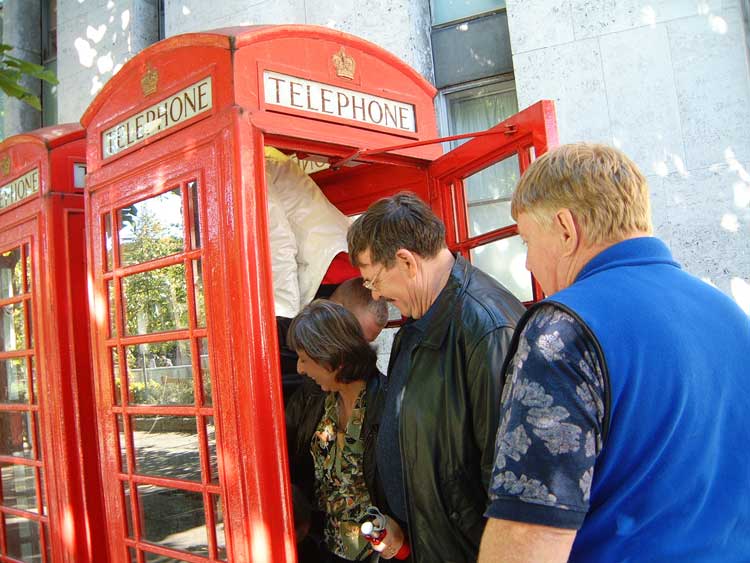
{"type": "Point", "coordinates": [407, 261]}
{"type": "Point", "coordinates": [567, 229]}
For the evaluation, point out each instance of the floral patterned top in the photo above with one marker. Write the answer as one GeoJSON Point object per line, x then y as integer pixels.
{"type": "Point", "coordinates": [551, 427]}
{"type": "Point", "coordinates": [341, 490]}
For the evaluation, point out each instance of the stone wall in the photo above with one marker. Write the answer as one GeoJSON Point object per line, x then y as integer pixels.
{"type": "Point", "coordinates": [95, 38]}
{"type": "Point", "coordinates": [666, 81]}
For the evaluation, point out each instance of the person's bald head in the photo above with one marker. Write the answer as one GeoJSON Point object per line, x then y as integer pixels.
{"type": "Point", "coordinates": [372, 314]}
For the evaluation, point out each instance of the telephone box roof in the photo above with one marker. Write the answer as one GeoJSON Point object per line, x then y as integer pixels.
{"type": "Point", "coordinates": [236, 38]}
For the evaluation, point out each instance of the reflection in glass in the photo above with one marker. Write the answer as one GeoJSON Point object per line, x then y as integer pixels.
{"type": "Point", "coordinates": [112, 309]}
{"type": "Point", "coordinates": [35, 445]}
{"type": "Point", "coordinates": [15, 434]}
{"type": "Point", "coordinates": [505, 260]}
{"type": "Point", "coordinates": [173, 518]}
{"type": "Point", "coordinates": [30, 325]}
{"type": "Point", "coordinates": [108, 240]}
{"type": "Point", "coordinates": [43, 491]}
{"type": "Point", "coordinates": [205, 371]}
{"type": "Point", "coordinates": [12, 328]}
{"type": "Point", "coordinates": [115, 359]}
{"type": "Point", "coordinates": [22, 539]}
{"type": "Point", "coordinates": [14, 381]}
{"type": "Point", "coordinates": [34, 387]}
{"type": "Point", "coordinates": [155, 300]}
{"type": "Point", "coordinates": [128, 508]}
{"type": "Point", "coordinates": [19, 487]}
{"type": "Point", "coordinates": [166, 446]}
{"type": "Point", "coordinates": [488, 194]}
{"type": "Point", "coordinates": [221, 542]}
{"type": "Point", "coordinates": [133, 555]}
{"type": "Point", "coordinates": [160, 373]}
{"type": "Point", "coordinates": [28, 272]}
{"type": "Point", "coordinates": [200, 305]}
{"type": "Point", "coordinates": [151, 228]}
{"type": "Point", "coordinates": [213, 461]}
{"type": "Point", "coordinates": [196, 230]}
{"type": "Point", "coordinates": [124, 466]}
{"type": "Point", "coordinates": [154, 558]}
{"type": "Point", "coordinates": [11, 274]}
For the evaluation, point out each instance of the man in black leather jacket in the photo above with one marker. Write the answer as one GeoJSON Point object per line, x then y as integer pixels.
{"type": "Point", "coordinates": [435, 448]}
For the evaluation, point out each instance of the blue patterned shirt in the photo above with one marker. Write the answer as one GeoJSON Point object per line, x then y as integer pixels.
{"type": "Point", "coordinates": [553, 408]}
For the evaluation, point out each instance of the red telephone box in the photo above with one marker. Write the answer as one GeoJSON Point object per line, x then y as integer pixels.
{"type": "Point", "coordinates": [51, 506]}
{"type": "Point", "coordinates": [186, 356]}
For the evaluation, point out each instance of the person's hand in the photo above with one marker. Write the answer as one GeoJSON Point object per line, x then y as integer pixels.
{"type": "Point", "coordinates": [393, 540]}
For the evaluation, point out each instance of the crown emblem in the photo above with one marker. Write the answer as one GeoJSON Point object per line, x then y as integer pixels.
{"type": "Point", "coordinates": [344, 64]}
{"type": "Point", "coordinates": [5, 165]}
{"type": "Point", "coordinates": [149, 81]}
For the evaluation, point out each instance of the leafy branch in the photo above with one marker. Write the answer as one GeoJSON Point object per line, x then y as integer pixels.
{"type": "Point", "coordinates": [13, 69]}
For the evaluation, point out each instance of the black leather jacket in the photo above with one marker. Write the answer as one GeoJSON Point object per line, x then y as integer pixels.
{"type": "Point", "coordinates": [449, 414]}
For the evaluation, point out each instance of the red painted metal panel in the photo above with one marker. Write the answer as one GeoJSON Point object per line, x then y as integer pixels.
{"type": "Point", "coordinates": [221, 152]}
{"type": "Point", "coordinates": [48, 225]}
{"type": "Point", "coordinates": [534, 128]}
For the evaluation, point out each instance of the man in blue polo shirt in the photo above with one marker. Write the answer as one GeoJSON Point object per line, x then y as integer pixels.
{"type": "Point", "coordinates": [625, 419]}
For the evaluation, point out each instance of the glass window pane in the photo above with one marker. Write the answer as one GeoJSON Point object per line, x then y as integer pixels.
{"type": "Point", "coordinates": [11, 273]}
{"type": "Point", "coordinates": [212, 459]}
{"type": "Point", "coordinates": [166, 446]}
{"type": "Point", "coordinates": [79, 175]}
{"type": "Point", "coordinates": [482, 107]}
{"type": "Point", "coordinates": [154, 558]}
{"type": "Point", "coordinates": [108, 240]}
{"type": "Point", "coordinates": [488, 194]}
{"type": "Point", "coordinates": [34, 386]}
{"type": "Point", "coordinates": [19, 487]}
{"type": "Point", "coordinates": [128, 508]}
{"type": "Point", "coordinates": [173, 518]}
{"type": "Point", "coordinates": [200, 305]}
{"type": "Point", "coordinates": [151, 228]}
{"type": "Point", "coordinates": [14, 381]}
{"type": "Point", "coordinates": [22, 539]}
{"type": "Point", "coordinates": [28, 271]}
{"type": "Point", "coordinates": [205, 372]}
{"type": "Point", "coordinates": [221, 542]}
{"type": "Point", "coordinates": [35, 445]}
{"type": "Point", "coordinates": [124, 467]}
{"type": "Point", "coordinates": [43, 491]}
{"type": "Point", "coordinates": [133, 555]}
{"type": "Point", "coordinates": [196, 230]}
{"type": "Point", "coordinates": [12, 328]}
{"type": "Point", "coordinates": [115, 358]}
{"type": "Point", "coordinates": [505, 260]}
{"type": "Point", "coordinates": [15, 434]}
{"type": "Point", "coordinates": [450, 10]}
{"type": "Point", "coordinates": [112, 309]}
{"type": "Point", "coordinates": [155, 300]}
{"type": "Point", "coordinates": [160, 373]}
{"type": "Point", "coordinates": [30, 317]}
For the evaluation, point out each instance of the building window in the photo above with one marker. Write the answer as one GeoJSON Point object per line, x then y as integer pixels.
{"type": "Point", "coordinates": [477, 106]}
{"type": "Point", "coordinates": [162, 20]}
{"type": "Point", "coordinates": [444, 11]}
{"type": "Point", "coordinates": [49, 60]}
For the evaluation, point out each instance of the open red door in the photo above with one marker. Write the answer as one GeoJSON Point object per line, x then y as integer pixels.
{"type": "Point", "coordinates": [473, 185]}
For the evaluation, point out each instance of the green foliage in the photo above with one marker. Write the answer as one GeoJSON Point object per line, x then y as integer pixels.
{"type": "Point", "coordinates": [13, 69]}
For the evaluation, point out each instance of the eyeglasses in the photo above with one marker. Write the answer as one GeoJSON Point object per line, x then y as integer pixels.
{"type": "Point", "coordinates": [372, 284]}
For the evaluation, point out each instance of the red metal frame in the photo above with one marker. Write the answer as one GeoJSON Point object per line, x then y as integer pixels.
{"type": "Point", "coordinates": [222, 150]}
{"type": "Point", "coordinates": [49, 226]}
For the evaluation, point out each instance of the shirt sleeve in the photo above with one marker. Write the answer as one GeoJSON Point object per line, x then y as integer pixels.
{"type": "Point", "coordinates": [551, 421]}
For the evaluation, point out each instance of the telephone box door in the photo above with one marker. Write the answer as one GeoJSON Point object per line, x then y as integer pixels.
{"type": "Point", "coordinates": [474, 184]}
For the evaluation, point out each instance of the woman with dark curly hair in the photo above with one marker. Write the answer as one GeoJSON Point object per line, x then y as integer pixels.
{"type": "Point", "coordinates": [332, 422]}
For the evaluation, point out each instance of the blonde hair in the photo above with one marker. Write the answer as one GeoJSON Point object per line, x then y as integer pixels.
{"type": "Point", "coordinates": [600, 185]}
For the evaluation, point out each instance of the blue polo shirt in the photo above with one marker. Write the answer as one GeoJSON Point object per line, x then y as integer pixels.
{"type": "Point", "coordinates": [668, 438]}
